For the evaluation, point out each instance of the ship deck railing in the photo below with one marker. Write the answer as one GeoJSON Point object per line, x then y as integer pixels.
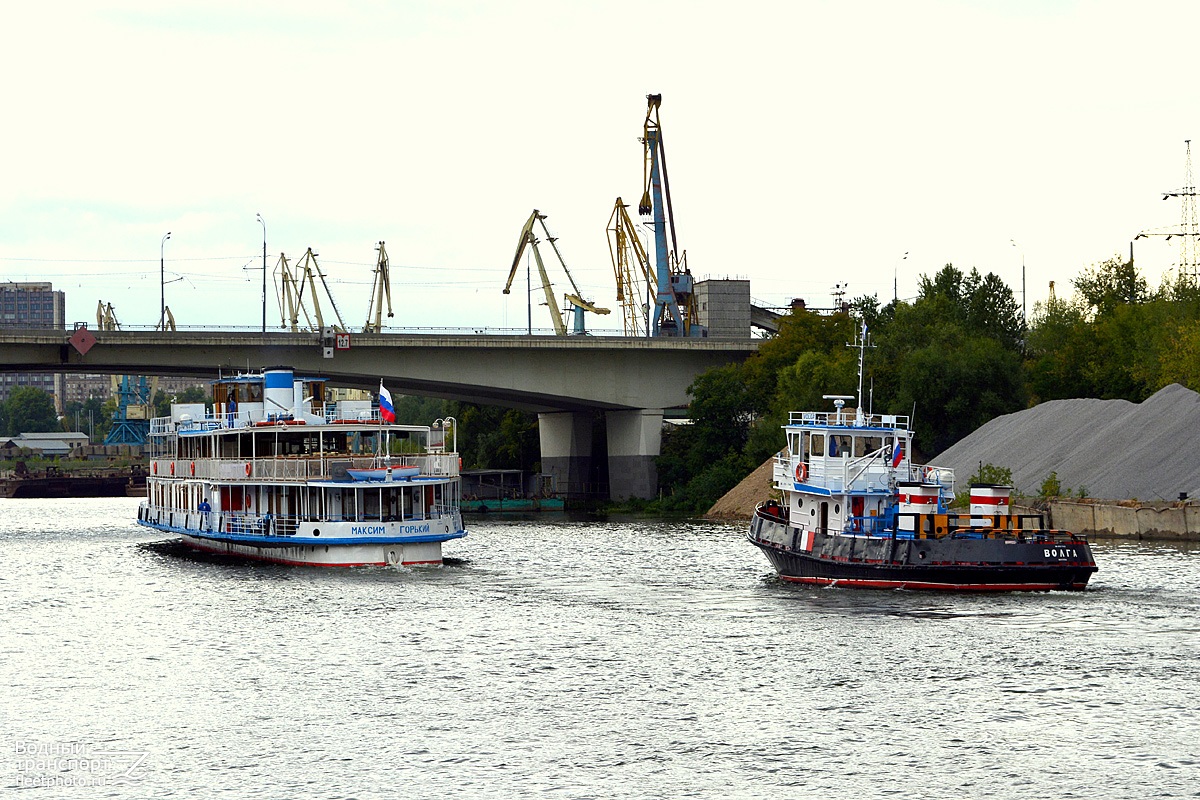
{"type": "Point", "coordinates": [234, 420]}
{"type": "Point", "coordinates": [867, 473]}
{"type": "Point", "coordinates": [330, 467]}
{"type": "Point", "coordinates": [847, 418]}
{"type": "Point", "coordinates": [249, 523]}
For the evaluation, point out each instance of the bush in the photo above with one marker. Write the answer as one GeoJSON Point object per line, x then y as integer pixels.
{"type": "Point", "coordinates": [1051, 487]}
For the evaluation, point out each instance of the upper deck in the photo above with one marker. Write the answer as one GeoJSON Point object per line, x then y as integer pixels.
{"type": "Point", "coordinates": [848, 419]}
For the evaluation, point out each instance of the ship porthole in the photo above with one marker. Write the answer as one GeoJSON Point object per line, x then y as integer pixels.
{"type": "Point", "coordinates": [326, 548]}
{"type": "Point", "coordinates": [800, 502]}
{"type": "Point", "coordinates": [812, 512]}
{"type": "Point", "coordinates": [921, 555]}
{"type": "Point", "coordinates": [316, 531]}
{"type": "Point", "coordinates": [837, 509]}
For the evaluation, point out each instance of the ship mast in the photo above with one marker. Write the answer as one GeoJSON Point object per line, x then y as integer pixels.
{"type": "Point", "coordinates": [862, 344]}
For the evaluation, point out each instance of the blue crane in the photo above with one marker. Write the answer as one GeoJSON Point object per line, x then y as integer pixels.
{"type": "Point", "coordinates": [674, 300]}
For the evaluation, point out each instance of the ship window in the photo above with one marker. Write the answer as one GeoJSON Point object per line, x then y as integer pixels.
{"type": "Point", "coordinates": [837, 509]}
{"type": "Point", "coordinates": [817, 444]}
{"type": "Point", "coordinates": [839, 445]}
{"type": "Point", "coordinates": [865, 445]}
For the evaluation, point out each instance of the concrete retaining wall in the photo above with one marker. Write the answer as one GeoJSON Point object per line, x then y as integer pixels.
{"type": "Point", "coordinates": [1178, 521]}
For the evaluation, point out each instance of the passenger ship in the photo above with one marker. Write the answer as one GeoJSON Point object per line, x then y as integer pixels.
{"type": "Point", "coordinates": [857, 512]}
{"type": "Point", "coordinates": [275, 473]}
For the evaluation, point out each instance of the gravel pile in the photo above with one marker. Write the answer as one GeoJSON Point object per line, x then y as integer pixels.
{"type": "Point", "coordinates": [1114, 449]}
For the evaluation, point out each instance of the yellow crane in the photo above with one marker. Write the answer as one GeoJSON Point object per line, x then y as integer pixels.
{"type": "Point", "coordinates": [631, 267]}
{"type": "Point", "coordinates": [575, 299]}
{"type": "Point", "coordinates": [381, 287]}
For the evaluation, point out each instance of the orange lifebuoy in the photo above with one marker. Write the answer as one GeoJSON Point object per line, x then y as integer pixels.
{"type": "Point", "coordinates": [154, 468]}
{"type": "Point", "coordinates": [172, 467]}
{"type": "Point", "coordinates": [247, 469]}
{"type": "Point", "coordinates": [193, 468]}
{"type": "Point", "coordinates": [801, 472]}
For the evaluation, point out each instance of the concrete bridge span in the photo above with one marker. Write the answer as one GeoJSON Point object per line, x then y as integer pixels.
{"type": "Point", "coordinates": [565, 380]}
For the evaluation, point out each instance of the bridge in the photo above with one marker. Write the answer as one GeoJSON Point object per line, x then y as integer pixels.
{"type": "Point", "coordinates": [565, 380]}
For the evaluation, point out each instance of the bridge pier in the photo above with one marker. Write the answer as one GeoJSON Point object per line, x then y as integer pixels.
{"type": "Point", "coordinates": [634, 440]}
{"type": "Point", "coordinates": [566, 444]}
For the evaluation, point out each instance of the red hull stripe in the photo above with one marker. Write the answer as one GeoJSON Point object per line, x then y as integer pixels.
{"type": "Point", "coordinates": [957, 587]}
{"type": "Point", "coordinates": [290, 562]}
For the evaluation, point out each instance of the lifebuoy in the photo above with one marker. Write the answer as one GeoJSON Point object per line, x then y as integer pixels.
{"type": "Point", "coordinates": [193, 468]}
{"type": "Point", "coordinates": [172, 467]}
{"type": "Point", "coordinates": [154, 468]}
{"type": "Point", "coordinates": [801, 472]}
{"type": "Point", "coordinates": [247, 469]}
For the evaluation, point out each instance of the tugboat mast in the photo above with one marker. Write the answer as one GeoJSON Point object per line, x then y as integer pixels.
{"type": "Point", "coordinates": [861, 344]}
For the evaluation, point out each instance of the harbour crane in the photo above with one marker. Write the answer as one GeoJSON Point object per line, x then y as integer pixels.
{"type": "Point", "coordinates": [575, 299]}
{"type": "Point", "coordinates": [289, 290]}
{"type": "Point", "coordinates": [381, 287]}
{"type": "Point", "coordinates": [674, 300]}
{"type": "Point", "coordinates": [631, 268]}
{"type": "Point", "coordinates": [131, 418]}
{"type": "Point", "coordinates": [291, 283]}
{"type": "Point", "coordinates": [308, 279]}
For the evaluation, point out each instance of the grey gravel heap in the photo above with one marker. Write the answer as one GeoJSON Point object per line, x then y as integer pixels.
{"type": "Point", "coordinates": [1114, 449]}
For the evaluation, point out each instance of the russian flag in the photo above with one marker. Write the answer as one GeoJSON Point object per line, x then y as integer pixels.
{"type": "Point", "coordinates": [387, 411]}
{"type": "Point", "coordinates": [897, 455]}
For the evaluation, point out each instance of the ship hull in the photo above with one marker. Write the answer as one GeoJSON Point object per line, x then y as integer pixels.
{"type": "Point", "coordinates": [356, 555]}
{"type": "Point", "coordinates": [1020, 563]}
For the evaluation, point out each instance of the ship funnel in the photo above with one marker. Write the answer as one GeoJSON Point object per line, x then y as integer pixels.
{"type": "Point", "coordinates": [278, 393]}
{"type": "Point", "coordinates": [989, 500]}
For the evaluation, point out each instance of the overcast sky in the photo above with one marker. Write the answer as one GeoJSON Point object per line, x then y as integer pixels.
{"type": "Point", "coordinates": [810, 144]}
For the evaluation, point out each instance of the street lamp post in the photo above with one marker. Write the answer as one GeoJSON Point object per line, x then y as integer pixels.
{"type": "Point", "coordinates": [264, 291]}
{"type": "Point", "coordinates": [452, 423]}
{"type": "Point", "coordinates": [162, 282]}
{"type": "Point", "coordinates": [1024, 319]}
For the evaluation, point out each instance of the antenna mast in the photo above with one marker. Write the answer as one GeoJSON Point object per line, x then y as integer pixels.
{"type": "Point", "coordinates": [1189, 222]}
{"type": "Point", "coordinates": [862, 344]}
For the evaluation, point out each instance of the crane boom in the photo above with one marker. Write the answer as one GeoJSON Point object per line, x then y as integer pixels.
{"type": "Point", "coordinates": [381, 287]}
{"type": "Point", "coordinates": [574, 299]}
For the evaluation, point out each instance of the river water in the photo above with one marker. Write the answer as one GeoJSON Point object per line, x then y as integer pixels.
{"type": "Point", "coordinates": [568, 658]}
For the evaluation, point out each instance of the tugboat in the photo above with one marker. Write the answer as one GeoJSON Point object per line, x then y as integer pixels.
{"type": "Point", "coordinates": [274, 473]}
{"type": "Point", "coordinates": [857, 512]}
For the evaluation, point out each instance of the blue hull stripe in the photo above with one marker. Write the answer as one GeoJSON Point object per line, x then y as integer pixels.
{"type": "Point", "coordinates": [291, 541]}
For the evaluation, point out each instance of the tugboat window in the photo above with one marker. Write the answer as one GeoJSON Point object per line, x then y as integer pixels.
{"type": "Point", "coordinates": [817, 444]}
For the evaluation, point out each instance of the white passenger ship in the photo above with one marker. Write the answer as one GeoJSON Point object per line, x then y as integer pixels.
{"type": "Point", "coordinates": [274, 473]}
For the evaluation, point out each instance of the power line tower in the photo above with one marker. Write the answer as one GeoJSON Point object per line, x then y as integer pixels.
{"type": "Point", "coordinates": [1189, 222]}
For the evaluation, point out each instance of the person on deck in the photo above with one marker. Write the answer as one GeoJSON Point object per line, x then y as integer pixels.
{"type": "Point", "coordinates": [205, 510]}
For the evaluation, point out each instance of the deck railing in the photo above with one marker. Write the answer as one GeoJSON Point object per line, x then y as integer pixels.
{"type": "Point", "coordinates": [299, 468]}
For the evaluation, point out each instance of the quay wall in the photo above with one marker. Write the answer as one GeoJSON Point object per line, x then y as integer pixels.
{"type": "Point", "coordinates": [1165, 521]}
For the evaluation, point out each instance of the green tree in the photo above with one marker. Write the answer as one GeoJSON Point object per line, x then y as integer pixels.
{"type": "Point", "coordinates": [30, 410]}
{"type": "Point", "coordinates": [1111, 283]}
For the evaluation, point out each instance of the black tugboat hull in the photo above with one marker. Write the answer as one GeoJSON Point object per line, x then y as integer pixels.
{"type": "Point", "coordinates": [953, 564]}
